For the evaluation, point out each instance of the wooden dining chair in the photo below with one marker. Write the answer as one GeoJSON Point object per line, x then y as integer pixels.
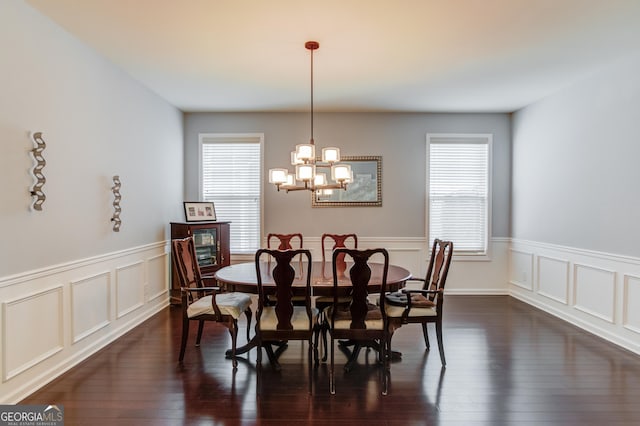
{"type": "Point", "coordinates": [284, 240]}
{"type": "Point", "coordinates": [425, 305]}
{"type": "Point", "coordinates": [284, 321]}
{"type": "Point", "coordinates": [359, 321]}
{"type": "Point", "coordinates": [339, 241]}
{"type": "Point", "coordinates": [205, 303]}
{"type": "Point", "coordinates": [284, 243]}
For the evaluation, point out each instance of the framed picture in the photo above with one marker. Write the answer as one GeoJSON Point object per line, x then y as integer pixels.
{"type": "Point", "coordinates": [197, 211]}
{"type": "Point", "coordinates": [364, 191]}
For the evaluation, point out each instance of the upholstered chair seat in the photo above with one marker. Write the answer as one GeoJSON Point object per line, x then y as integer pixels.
{"type": "Point", "coordinates": [299, 319]}
{"type": "Point", "coordinates": [233, 304]}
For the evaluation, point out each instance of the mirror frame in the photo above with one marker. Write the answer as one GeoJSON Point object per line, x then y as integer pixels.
{"type": "Point", "coordinates": [373, 163]}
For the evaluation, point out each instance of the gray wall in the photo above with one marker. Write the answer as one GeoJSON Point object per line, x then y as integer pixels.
{"type": "Point", "coordinates": [97, 122]}
{"type": "Point", "coordinates": [575, 164]}
{"type": "Point", "coordinates": [400, 138]}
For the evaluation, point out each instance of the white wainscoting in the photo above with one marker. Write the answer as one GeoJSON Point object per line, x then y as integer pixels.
{"type": "Point", "coordinates": [54, 318]}
{"type": "Point", "coordinates": [596, 291]}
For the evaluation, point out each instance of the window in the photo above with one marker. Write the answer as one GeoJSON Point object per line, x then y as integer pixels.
{"type": "Point", "coordinates": [230, 176]}
{"type": "Point", "coordinates": [459, 190]}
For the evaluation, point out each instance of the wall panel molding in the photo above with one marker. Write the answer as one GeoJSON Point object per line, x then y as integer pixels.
{"type": "Point", "coordinates": [521, 269]}
{"type": "Point", "coordinates": [594, 291]}
{"type": "Point", "coordinates": [24, 347]}
{"type": "Point", "coordinates": [553, 278]}
{"type": "Point", "coordinates": [631, 294]}
{"type": "Point", "coordinates": [129, 288]}
{"type": "Point", "coordinates": [90, 305]}
{"type": "Point", "coordinates": [157, 276]}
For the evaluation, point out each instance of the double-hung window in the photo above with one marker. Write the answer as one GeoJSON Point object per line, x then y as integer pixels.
{"type": "Point", "coordinates": [230, 176]}
{"type": "Point", "coordinates": [459, 191]}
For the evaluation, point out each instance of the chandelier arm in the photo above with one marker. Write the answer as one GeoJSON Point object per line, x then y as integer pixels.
{"type": "Point", "coordinates": [309, 187]}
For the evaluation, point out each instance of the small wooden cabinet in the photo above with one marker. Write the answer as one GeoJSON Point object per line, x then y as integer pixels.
{"type": "Point", "coordinates": [212, 248]}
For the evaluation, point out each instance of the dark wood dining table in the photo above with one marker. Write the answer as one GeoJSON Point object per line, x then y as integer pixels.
{"type": "Point", "coordinates": [242, 277]}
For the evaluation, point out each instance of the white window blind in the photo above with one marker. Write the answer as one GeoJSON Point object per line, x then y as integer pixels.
{"type": "Point", "coordinates": [230, 173]}
{"type": "Point", "coordinates": [459, 190]}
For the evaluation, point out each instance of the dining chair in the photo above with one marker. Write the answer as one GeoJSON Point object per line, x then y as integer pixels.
{"type": "Point", "coordinates": [425, 305]}
{"type": "Point", "coordinates": [284, 243]}
{"type": "Point", "coordinates": [284, 321]}
{"type": "Point", "coordinates": [339, 241]}
{"type": "Point", "coordinates": [284, 240]}
{"type": "Point", "coordinates": [359, 321]}
{"type": "Point", "coordinates": [205, 303]}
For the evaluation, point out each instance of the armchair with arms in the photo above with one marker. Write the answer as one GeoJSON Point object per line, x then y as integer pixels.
{"type": "Point", "coordinates": [205, 303]}
{"type": "Point", "coordinates": [425, 305]}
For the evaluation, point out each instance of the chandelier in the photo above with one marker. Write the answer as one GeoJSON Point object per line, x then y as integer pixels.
{"type": "Point", "coordinates": [306, 176]}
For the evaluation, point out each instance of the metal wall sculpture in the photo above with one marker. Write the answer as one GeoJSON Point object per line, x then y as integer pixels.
{"type": "Point", "coordinates": [36, 190]}
{"type": "Point", "coordinates": [116, 204]}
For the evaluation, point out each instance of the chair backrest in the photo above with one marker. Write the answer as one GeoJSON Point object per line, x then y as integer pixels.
{"type": "Point", "coordinates": [339, 241]}
{"type": "Point", "coordinates": [283, 275]}
{"type": "Point", "coordinates": [360, 274]}
{"type": "Point", "coordinates": [441, 254]}
{"type": "Point", "coordinates": [285, 240]}
{"type": "Point", "coordinates": [183, 253]}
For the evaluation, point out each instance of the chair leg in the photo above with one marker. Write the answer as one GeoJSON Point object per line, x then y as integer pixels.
{"type": "Point", "coordinates": [249, 314]}
{"type": "Point", "coordinates": [185, 335]}
{"type": "Point", "coordinates": [324, 330]}
{"type": "Point", "coordinates": [389, 351]}
{"type": "Point", "coordinates": [233, 330]}
{"type": "Point", "coordinates": [259, 368]}
{"type": "Point", "coordinates": [425, 335]}
{"type": "Point", "coordinates": [332, 378]}
{"type": "Point", "coordinates": [310, 368]}
{"type": "Point", "coordinates": [440, 345]}
{"type": "Point", "coordinates": [385, 352]}
{"type": "Point", "coordinates": [200, 328]}
{"type": "Point", "coordinates": [316, 332]}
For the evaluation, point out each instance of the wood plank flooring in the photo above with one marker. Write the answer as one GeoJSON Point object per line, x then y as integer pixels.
{"type": "Point", "coordinates": [507, 364]}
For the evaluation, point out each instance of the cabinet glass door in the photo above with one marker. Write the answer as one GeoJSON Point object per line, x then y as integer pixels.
{"type": "Point", "coordinates": [206, 242]}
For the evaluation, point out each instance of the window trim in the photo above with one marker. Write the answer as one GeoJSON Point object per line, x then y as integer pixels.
{"type": "Point", "coordinates": [240, 138]}
{"type": "Point", "coordinates": [484, 138]}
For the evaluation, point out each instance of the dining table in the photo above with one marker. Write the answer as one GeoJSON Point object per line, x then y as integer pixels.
{"type": "Point", "coordinates": [242, 277]}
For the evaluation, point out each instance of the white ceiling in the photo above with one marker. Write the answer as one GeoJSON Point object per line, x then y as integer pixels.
{"type": "Point", "coordinates": [375, 55]}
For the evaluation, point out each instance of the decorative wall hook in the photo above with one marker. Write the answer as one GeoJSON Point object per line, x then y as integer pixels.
{"type": "Point", "coordinates": [36, 191]}
{"type": "Point", "coordinates": [116, 204]}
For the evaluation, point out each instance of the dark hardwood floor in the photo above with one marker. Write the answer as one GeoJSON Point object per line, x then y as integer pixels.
{"type": "Point", "coordinates": [507, 364]}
